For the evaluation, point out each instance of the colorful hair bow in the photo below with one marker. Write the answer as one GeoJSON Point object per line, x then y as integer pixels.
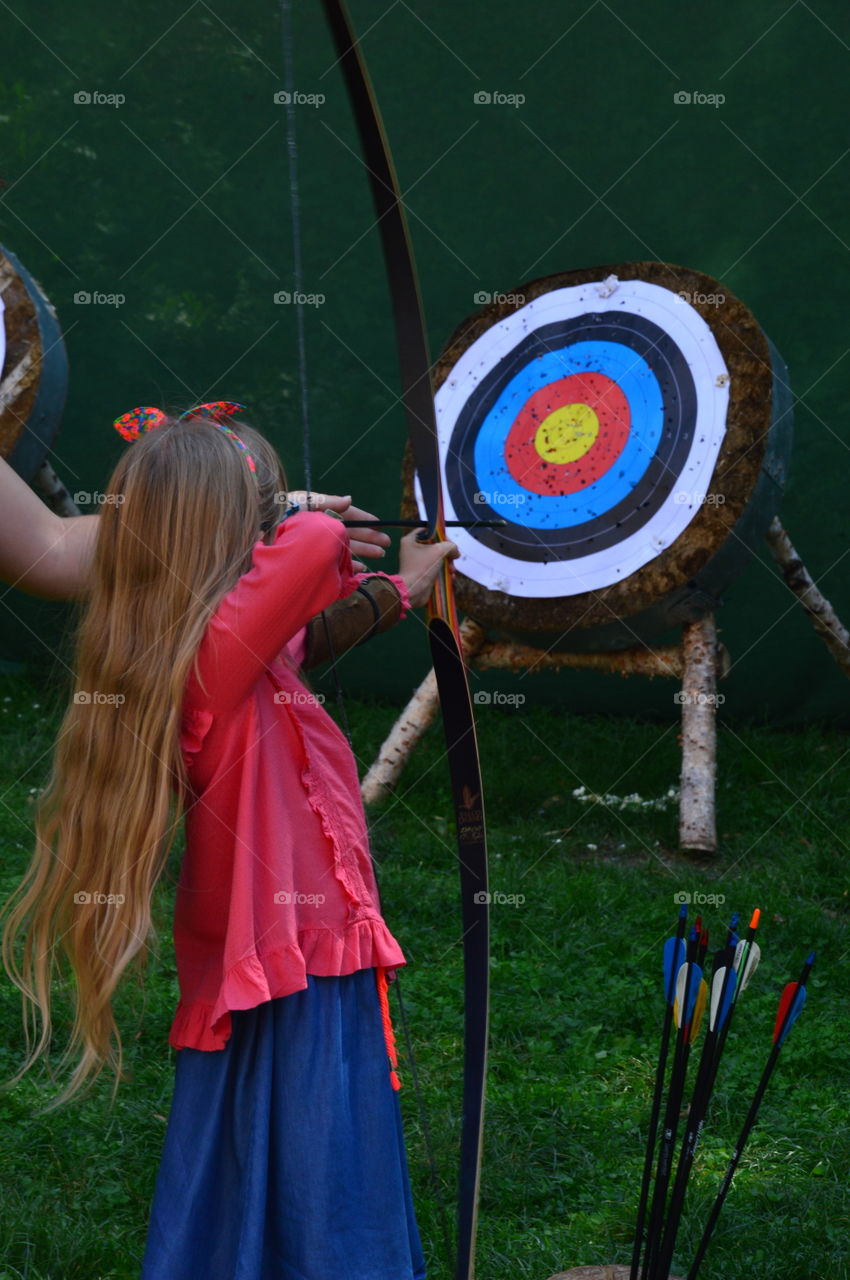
{"type": "Point", "coordinates": [133, 424]}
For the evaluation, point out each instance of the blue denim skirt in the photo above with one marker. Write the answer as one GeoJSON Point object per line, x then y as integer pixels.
{"type": "Point", "coordinates": [284, 1156]}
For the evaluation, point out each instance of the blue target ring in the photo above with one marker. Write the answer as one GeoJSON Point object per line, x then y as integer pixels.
{"type": "Point", "coordinates": [641, 388]}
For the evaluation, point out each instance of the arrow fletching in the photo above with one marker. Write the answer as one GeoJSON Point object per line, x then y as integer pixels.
{"type": "Point", "coordinates": [750, 961]}
{"type": "Point", "coordinates": [791, 1004]}
{"type": "Point", "coordinates": [723, 983]}
{"type": "Point", "coordinates": [674, 958]}
{"type": "Point", "coordinates": [790, 1008]}
{"type": "Point", "coordinates": [692, 988]}
{"type": "Point", "coordinates": [699, 1011]}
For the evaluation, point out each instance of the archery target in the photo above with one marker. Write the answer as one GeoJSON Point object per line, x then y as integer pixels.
{"type": "Point", "coordinates": [590, 420]}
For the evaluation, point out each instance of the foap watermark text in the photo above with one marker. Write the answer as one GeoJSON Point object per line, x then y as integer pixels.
{"type": "Point", "coordinates": [495, 98]}
{"type": "Point", "coordinates": [683, 898]}
{"type": "Point", "coordinates": [696, 99]}
{"type": "Point", "coordinates": [484, 698]}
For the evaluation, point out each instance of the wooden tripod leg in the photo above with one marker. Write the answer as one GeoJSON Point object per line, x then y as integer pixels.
{"type": "Point", "coordinates": [697, 827]}
{"type": "Point", "coordinates": [821, 614]}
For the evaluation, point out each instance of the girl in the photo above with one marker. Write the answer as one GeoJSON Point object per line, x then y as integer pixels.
{"type": "Point", "coordinates": [283, 1157]}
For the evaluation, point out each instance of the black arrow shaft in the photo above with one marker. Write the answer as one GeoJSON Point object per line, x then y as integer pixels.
{"type": "Point", "coordinates": [706, 1075]}
{"type": "Point", "coordinates": [657, 1098]}
{"type": "Point", "coordinates": [696, 1117]}
{"type": "Point", "coordinates": [671, 1124]}
{"type": "Point", "coordinates": [423, 524]}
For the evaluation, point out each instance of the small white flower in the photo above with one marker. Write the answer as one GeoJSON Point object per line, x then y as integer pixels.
{"type": "Point", "coordinates": [632, 801]}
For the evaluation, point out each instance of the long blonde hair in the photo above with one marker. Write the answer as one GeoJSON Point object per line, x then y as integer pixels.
{"type": "Point", "coordinates": [182, 513]}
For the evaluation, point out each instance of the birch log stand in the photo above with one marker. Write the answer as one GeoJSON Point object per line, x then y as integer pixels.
{"type": "Point", "coordinates": [697, 663]}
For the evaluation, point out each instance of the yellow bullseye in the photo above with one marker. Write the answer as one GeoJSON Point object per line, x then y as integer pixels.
{"type": "Point", "coordinates": [566, 434]}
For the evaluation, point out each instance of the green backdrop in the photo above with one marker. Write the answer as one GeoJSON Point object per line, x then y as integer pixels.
{"type": "Point", "coordinates": [178, 199]}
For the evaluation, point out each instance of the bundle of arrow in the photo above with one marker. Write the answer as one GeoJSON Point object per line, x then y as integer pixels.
{"type": "Point", "coordinates": [691, 1000]}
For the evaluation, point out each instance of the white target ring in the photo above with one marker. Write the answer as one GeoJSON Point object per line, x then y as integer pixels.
{"type": "Point", "coordinates": [590, 420]}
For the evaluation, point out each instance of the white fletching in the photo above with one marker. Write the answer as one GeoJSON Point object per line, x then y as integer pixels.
{"type": "Point", "coordinates": [751, 965]}
{"type": "Point", "coordinates": [681, 982]}
{"type": "Point", "coordinates": [717, 983]}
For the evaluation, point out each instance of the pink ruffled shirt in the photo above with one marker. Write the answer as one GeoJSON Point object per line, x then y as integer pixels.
{"type": "Point", "coordinates": [277, 879]}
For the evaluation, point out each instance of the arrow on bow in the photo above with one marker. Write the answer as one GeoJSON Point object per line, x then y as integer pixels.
{"type": "Point", "coordinates": [446, 651]}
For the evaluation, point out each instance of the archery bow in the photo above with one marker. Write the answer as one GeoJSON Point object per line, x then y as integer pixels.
{"type": "Point", "coordinates": [446, 650]}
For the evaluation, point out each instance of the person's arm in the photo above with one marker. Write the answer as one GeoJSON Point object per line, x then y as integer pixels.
{"type": "Point", "coordinates": [305, 568]}
{"type": "Point", "coordinates": [370, 543]}
{"type": "Point", "coordinates": [379, 602]}
{"type": "Point", "coordinates": [40, 552]}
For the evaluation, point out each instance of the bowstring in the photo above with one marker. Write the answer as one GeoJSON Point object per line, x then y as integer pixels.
{"type": "Point", "coordinates": [287, 29]}
{"type": "Point", "coordinates": [288, 33]}
{"type": "Point", "coordinates": [295, 220]}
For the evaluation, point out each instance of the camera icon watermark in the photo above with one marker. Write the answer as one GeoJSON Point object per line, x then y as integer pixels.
{"type": "Point", "coordinates": [82, 98]}
{"type": "Point", "coordinates": [84, 899]}
{"type": "Point", "coordinates": [285, 898]}
{"type": "Point", "coordinates": [684, 99]}
{"type": "Point", "coordinates": [283, 98]}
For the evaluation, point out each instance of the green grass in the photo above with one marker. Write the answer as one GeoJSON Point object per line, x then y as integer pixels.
{"type": "Point", "coordinates": [575, 1006]}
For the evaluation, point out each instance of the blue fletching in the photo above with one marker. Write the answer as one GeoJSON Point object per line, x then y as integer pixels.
{"type": "Point", "coordinates": [796, 1010]}
{"type": "Point", "coordinates": [728, 1000]}
{"type": "Point", "coordinates": [674, 958]}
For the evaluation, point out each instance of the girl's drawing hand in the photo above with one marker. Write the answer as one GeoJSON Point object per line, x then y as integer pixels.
{"type": "Point", "coordinates": [368, 543]}
{"type": "Point", "coordinates": [419, 564]}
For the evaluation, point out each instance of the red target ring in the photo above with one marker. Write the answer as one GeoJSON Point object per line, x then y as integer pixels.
{"type": "Point", "coordinates": [568, 434]}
